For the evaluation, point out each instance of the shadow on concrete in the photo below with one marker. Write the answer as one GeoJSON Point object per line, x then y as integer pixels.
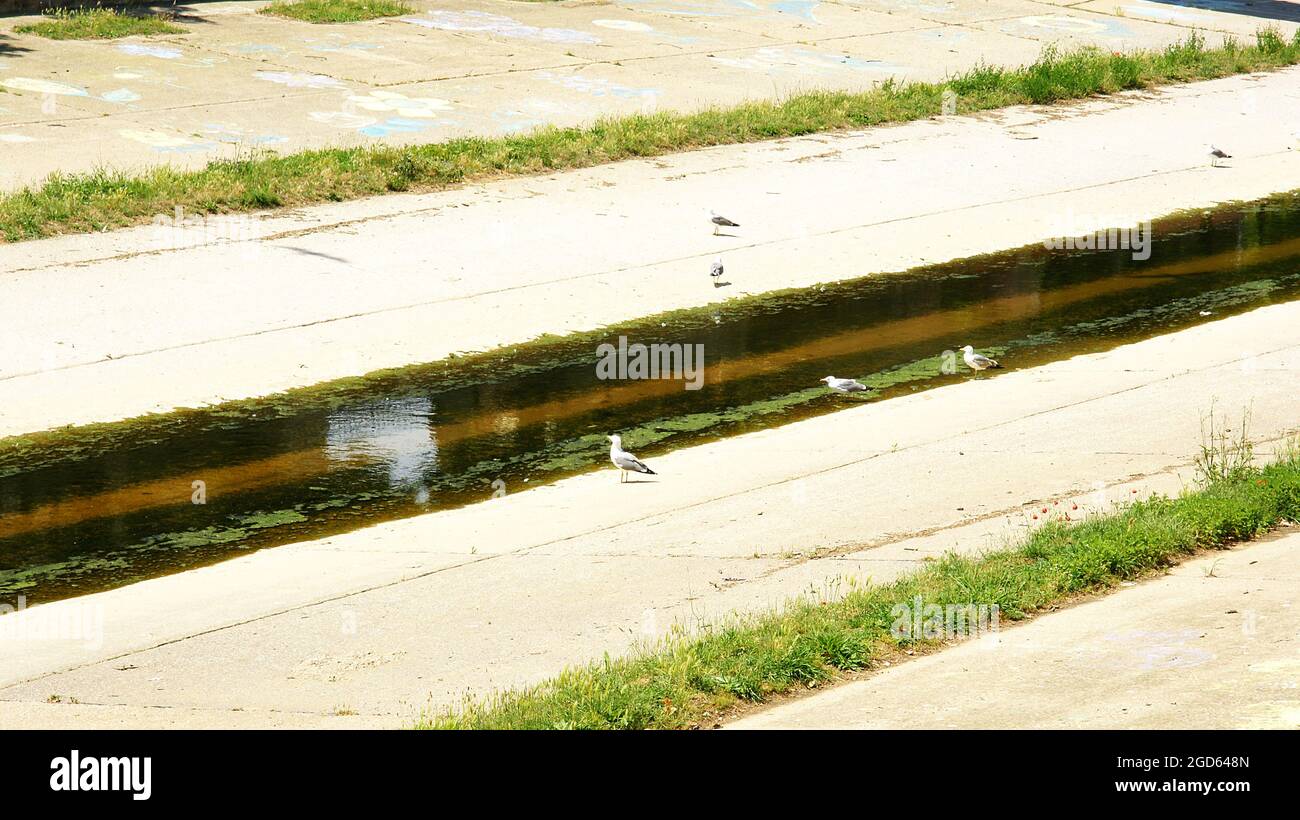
{"type": "Point", "coordinates": [8, 48]}
{"type": "Point", "coordinates": [318, 254]}
{"type": "Point", "coordinates": [1261, 9]}
{"type": "Point", "coordinates": [187, 14]}
{"type": "Point", "coordinates": [184, 13]}
{"type": "Point", "coordinates": [190, 11]}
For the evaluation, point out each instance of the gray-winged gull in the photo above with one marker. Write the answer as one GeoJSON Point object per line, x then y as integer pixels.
{"type": "Point", "coordinates": [1216, 155]}
{"type": "Point", "coordinates": [844, 385]}
{"type": "Point", "coordinates": [624, 460]}
{"type": "Point", "coordinates": [977, 361]}
{"type": "Point", "coordinates": [721, 222]}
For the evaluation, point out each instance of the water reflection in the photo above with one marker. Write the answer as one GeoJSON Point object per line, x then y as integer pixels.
{"type": "Point", "coordinates": [395, 435]}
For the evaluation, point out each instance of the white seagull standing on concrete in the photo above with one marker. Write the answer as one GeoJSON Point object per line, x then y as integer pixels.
{"type": "Point", "coordinates": [844, 385]}
{"type": "Point", "coordinates": [624, 460]}
{"type": "Point", "coordinates": [715, 270]}
{"type": "Point", "coordinates": [1216, 155]}
{"type": "Point", "coordinates": [721, 222]}
{"type": "Point", "coordinates": [976, 361]}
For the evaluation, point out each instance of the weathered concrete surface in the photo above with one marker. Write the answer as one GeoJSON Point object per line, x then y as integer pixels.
{"type": "Point", "coordinates": [240, 81]}
{"type": "Point", "coordinates": [98, 328]}
{"type": "Point", "coordinates": [1214, 644]}
{"type": "Point", "coordinates": [398, 617]}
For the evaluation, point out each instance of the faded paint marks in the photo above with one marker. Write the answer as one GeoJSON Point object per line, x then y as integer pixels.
{"type": "Point", "coordinates": [1063, 24]}
{"type": "Point", "coordinates": [172, 55]}
{"type": "Point", "coordinates": [941, 7]}
{"type": "Point", "coordinates": [299, 79]}
{"type": "Point", "coordinates": [341, 119]}
{"type": "Point", "coordinates": [232, 134]}
{"type": "Point", "coordinates": [413, 114]}
{"type": "Point", "coordinates": [776, 59]}
{"type": "Point", "coordinates": [259, 48]}
{"type": "Point", "coordinates": [803, 9]}
{"type": "Point", "coordinates": [1167, 15]}
{"type": "Point", "coordinates": [336, 45]}
{"type": "Point", "coordinates": [142, 50]}
{"type": "Point", "coordinates": [120, 95]}
{"type": "Point", "coordinates": [163, 141]}
{"type": "Point", "coordinates": [798, 8]}
{"type": "Point", "coordinates": [499, 25]}
{"type": "Point", "coordinates": [400, 104]}
{"type": "Point", "coordinates": [45, 87]}
{"type": "Point", "coordinates": [596, 86]}
{"type": "Point", "coordinates": [624, 25]}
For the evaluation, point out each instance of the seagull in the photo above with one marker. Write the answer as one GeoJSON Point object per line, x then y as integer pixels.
{"type": "Point", "coordinates": [976, 361]}
{"type": "Point", "coordinates": [1216, 155]}
{"type": "Point", "coordinates": [844, 385]}
{"type": "Point", "coordinates": [715, 270]}
{"type": "Point", "coordinates": [624, 460]}
{"type": "Point", "coordinates": [721, 222]}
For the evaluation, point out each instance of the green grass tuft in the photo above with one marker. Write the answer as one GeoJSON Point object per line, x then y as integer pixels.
{"type": "Point", "coordinates": [100, 200]}
{"type": "Point", "coordinates": [97, 24]}
{"type": "Point", "coordinates": [336, 11]}
{"type": "Point", "coordinates": [687, 680]}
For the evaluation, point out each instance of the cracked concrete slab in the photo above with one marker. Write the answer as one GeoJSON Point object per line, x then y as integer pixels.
{"type": "Point", "coordinates": [1210, 645]}
{"type": "Point", "coordinates": [241, 81]}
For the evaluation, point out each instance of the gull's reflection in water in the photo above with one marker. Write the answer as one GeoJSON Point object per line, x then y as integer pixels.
{"type": "Point", "coordinates": [394, 435]}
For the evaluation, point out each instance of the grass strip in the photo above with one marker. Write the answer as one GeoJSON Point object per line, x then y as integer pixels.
{"type": "Point", "coordinates": [336, 11]}
{"type": "Point", "coordinates": [687, 680]}
{"type": "Point", "coordinates": [103, 199]}
{"type": "Point", "coordinates": [97, 24]}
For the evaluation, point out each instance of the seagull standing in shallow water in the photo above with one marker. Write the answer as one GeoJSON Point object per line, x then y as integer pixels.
{"type": "Point", "coordinates": [844, 385]}
{"type": "Point", "coordinates": [977, 361]}
{"type": "Point", "coordinates": [721, 222]}
{"type": "Point", "coordinates": [624, 460]}
{"type": "Point", "coordinates": [1216, 155]}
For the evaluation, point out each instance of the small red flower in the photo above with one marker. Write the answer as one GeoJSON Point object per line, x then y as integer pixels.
{"type": "Point", "coordinates": [1074, 506]}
